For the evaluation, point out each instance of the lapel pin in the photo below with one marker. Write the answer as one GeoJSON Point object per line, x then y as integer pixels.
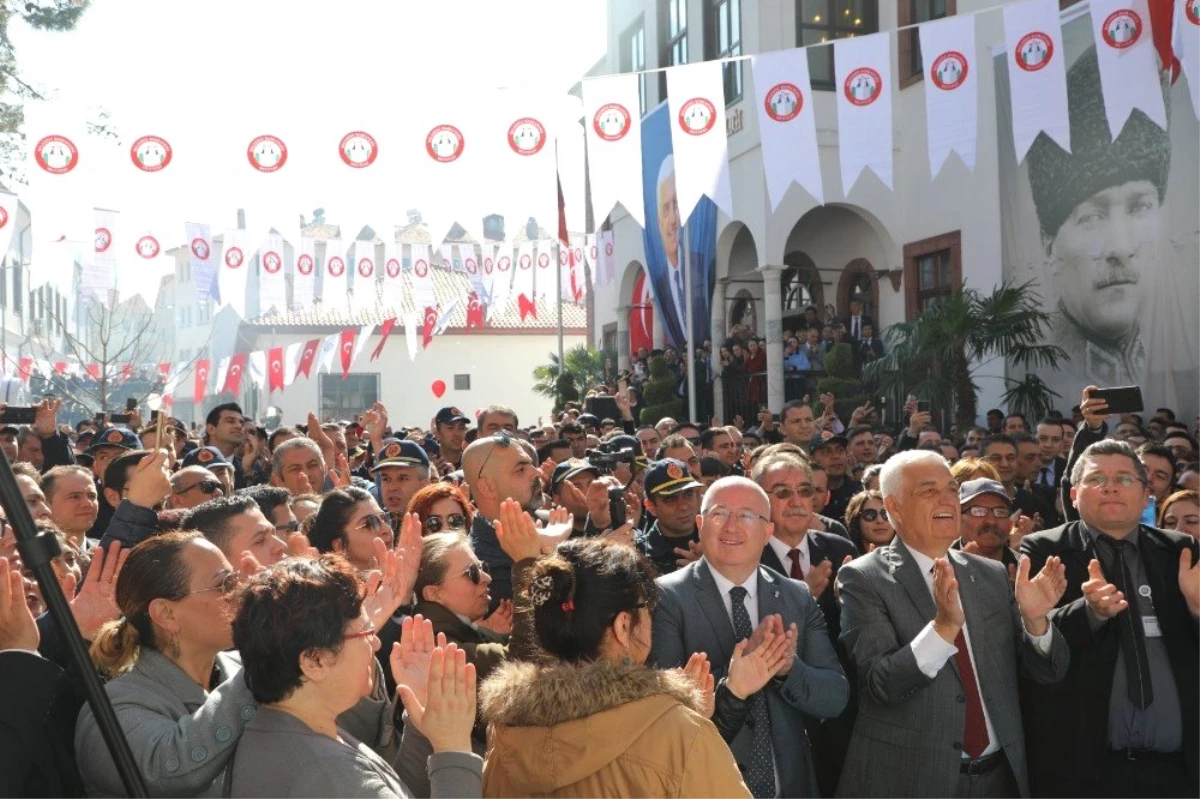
{"type": "Point", "coordinates": [776, 594]}
{"type": "Point", "coordinates": [972, 578]}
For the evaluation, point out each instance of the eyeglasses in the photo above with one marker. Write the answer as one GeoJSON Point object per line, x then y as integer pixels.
{"type": "Point", "coordinates": [375, 522]}
{"type": "Point", "coordinates": [205, 486]}
{"type": "Point", "coordinates": [721, 516]}
{"type": "Point", "coordinates": [455, 521]}
{"type": "Point", "coordinates": [475, 572]}
{"type": "Point", "coordinates": [501, 440]}
{"type": "Point", "coordinates": [229, 584]}
{"type": "Point", "coordinates": [784, 493]}
{"type": "Point", "coordinates": [367, 633]}
{"type": "Point", "coordinates": [1101, 480]}
{"type": "Point", "coordinates": [695, 442]}
{"type": "Point", "coordinates": [290, 527]}
{"type": "Point", "coordinates": [979, 512]}
{"type": "Point", "coordinates": [870, 514]}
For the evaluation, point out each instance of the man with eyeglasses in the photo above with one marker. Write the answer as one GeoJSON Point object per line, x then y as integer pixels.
{"type": "Point", "coordinates": [726, 597]}
{"type": "Point", "coordinates": [1125, 721]}
{"type": "Point", "coordinates": [276, 505]}
{"type": "Point", "coordinates": [673, 497]}
{"type": "Point", "coordinates": [401, 470]}
{"type": "Point", "coordinates": [986, 521]}
{"type": "Point", "coordinates": [192, 486]}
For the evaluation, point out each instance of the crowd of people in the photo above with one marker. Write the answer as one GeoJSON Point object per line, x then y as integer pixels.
{"type": "Point", "coordinates": [798, 606]}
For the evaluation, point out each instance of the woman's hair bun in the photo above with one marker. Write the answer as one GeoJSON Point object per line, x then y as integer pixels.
{"type": "Point", "coordinates": [553, 582]}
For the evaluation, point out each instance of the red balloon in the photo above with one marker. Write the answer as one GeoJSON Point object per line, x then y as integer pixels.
{"type": "Point", "coordinates": [439, 388]}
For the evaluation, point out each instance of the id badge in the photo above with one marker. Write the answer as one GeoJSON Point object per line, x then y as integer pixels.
{"type": "Point", "coordinates": [1150, 626]}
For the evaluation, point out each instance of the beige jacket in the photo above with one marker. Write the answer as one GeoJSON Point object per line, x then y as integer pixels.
{"type": "Point", "coordinates": [601, 729]}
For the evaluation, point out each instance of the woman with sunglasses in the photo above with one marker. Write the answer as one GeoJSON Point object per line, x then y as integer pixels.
{"type": "Point", "coordinates": [442, 508]}
{"type": "Point", "coordinates": [867, 521]}
{"type": "Point", "coordinates": [348, 522]}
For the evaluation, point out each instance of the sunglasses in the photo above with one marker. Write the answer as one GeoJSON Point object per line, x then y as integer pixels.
{"type": "Point", "coordinates": [475, 572]}
{"type": "Point", "coordinates": [205, 486]}
{"type": "Point", "coordinates": [290, 527]}
{"type": "Point", "coordinates": [455, 521]}
{"type": "Point", "coordinates": [785, 493]}
{"type": "Point", "coordinates": [376, 522]}
{"type": "Point", "coordinates": [870, 515]}
{"type": "Point", "coordinates": [501, 440]}
{"type": "Point", "coordinates": [229, 584]}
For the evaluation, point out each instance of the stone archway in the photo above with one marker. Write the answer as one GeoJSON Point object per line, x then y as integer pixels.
{"type": "Point", "coordinates": [801, 287]}
{"type": "Point", "coordinates": [858, 281]}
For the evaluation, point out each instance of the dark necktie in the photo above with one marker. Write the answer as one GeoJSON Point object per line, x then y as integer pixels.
{"type": "Point", "coordinates": [1044, 477]}
{"type": "Point", "coordinates": [760, 771]}
{"type": "Point", "coordinates": [854, 332]}
{"type": "Point", "coordinates": [796, 573]}
{"type": "Point", "coordinates": [1129, 625]}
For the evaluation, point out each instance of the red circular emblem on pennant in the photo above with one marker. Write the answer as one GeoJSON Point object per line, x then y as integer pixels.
{"type": "Point", "coordinates": [863, 86]}
{"type": "Point", "coordinates": [471, 266]}
{"type": "Point", "coordinates": [234, 257]}
{"type": "Point", "coordinates": [421, 268]}
{"type": "Point", "coordinates": [392, 267]}
{"type": "Point", "coordinates": [543, 260]}
{"type": "Point", "coordinates": [57, 155]}
{"type": "Point", "coordinates": [445, 143]}
{"type": "Point", "coordinates": [1192, 9]}
{"type": "Point", "coordinates": [949, 70]}
{"type": "Point", "coordinates": [608, 248]}
{"type": "Point", "coordinates": [103, 239]}
{"type": "Point", "coordinates": [148, 247]}
{"type": "Point", "coordinates": [525, 262]}
{"type": "Point", "coordinates": [1122, 28]}
{"type": "Point", "coordinates": [564, 256]}
{"type": "Point", "coordinates": [200, 249]}
{"type": "Point", "coordinates": [578, 255]}
{"type": "Point", "coordinates": [611, 122]}
{"type": "Point", "coordinates": [358, 149]}
{"type": "Point", "coordinates": [267, 153]}
{"type": "Point", "coordinates": [488, 265]}
{"type": "Point", "coordinates": [504, 263]}
{"type": "Point", "coordinates": [336, 265]}
{"type": "Point", "coordinates": [366, 267]}
{"type": "Point", "coordinates": [697, 116]}
{"type": "Point", "coordinates": [150, 153]}
{"type": "Point", "coordinates": [3, 217]}
{"type": "Point", "coordinates": [526, 136]}
{"type": "Point", "coordinates": [271, 262]}
{"type": "Point", "coordinates": [784, 102]}
{"type": "Point", "coordinates": [305, 264]}
{"type": "Point", "coordinates": [595, 251]}
{"type": "Point", "coordinates": [1034, 51]}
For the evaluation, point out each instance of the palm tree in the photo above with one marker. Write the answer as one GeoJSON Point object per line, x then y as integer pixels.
{"type": "Point", "coordinates": [582, 368]}
{"type": "Point", "coordinates": [937, 355]}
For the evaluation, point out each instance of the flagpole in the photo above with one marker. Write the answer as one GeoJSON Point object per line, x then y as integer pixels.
{"type": "Point", "coordinates": [688, 312]}
{"type": "Point", "coordinates": [558, 298]}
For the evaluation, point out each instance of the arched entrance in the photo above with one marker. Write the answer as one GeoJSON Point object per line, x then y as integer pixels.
{"type": "Point", "coordinates": [834, 250]}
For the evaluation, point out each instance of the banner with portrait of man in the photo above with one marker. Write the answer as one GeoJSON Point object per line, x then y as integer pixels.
{"type": "Point", "coordinates": [663, 238]}
{"type": "Point", "coordinates": [1108, 233]}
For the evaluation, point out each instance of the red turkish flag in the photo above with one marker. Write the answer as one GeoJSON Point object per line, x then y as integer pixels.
{"type": "Point", "coordinates": [60, 367]}
{"type": "Point", "coordinates": [385, 330]}
{"type": "Point", "coordinates": [430, 323]}
{"type": "Point", "coordinates": [526, 306]}
{"type": "Point", "coordinates": [346, 349]}
{"type": "Point", "coordinates": [233, 378]}
{"type": "Point", "coordinates": [1162, 18]}
{"type": "Point", "coordinates": [93, 370]}
{"type": "Point", "coordinates": [275, 369]}
{"type": "Point", "coordinates": [307, 356]}
{"type": "Point", "coordinates": [562, 216]}
{"type": "Point", "coordinates": [200, 386]}
{"type": "Point", "coordinates": [474, 311]}
{"type": "Point", "coordinates": [164, 369]}
{"type": "Point", "coordinates": [25, 369]}
{"type": "Point", "coordinates": [127, 371]}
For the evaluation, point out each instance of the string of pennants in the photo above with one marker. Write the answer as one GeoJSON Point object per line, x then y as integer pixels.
{"type": "Point", "coordinates": [506, 151]}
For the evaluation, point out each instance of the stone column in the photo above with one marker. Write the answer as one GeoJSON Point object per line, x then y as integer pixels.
{"type": "Point", "coordinates": [773, 311]}
{"type": "Point", "coordinates": [718, 334]}
{"type": "Point", "coordinates": [623, 312]}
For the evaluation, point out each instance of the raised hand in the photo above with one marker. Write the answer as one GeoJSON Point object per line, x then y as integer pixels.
{"type": "Point", "coordinates": [321, 439]}
{"type": "Point", "coordinates": [1022, 527]}
{"type": "Point", "coordinates": [1189, 581]}
{"type": "Point", "coordinates": [739, 422]}
{"type": "Point", "coordinates": [150, 483]}
{"type": "Point", "coordinates": [501, 620]}
{"type": "Point", "coordinates": [447, 716]}
{"type": "Point", "coordinates": [45, 420]}
{"type": "Point", "coordinates": [949, 619]}
{"type": "Point", "coordinates": [818, 578]}
{"type": "Point", "coordinates": [518, 536]}
{"type": "Point", "coordinates": [1093, 410]}
{"type": "Point", "coordinates": [845, 560]}
{"type": "Point", "coordinates": [1038, 596]}
{"type": "Point", "coordinates": [699, 671]}
{"type": "Point", "coordinates": [547, 469]}
{"type": "Point", "coordinates": [1102, 596]}
{"type": "Point", "coordinates": [298, 547]}
{"type": "Point", "coordinates": [409, 658]}
{"type": "Point", "coordinates": [749, 672]}
{"type": "Point", "coordinates": [390, 584]}
{"type": "Point", "coordinates": [18, 630]}
{"type": "Point", "coordinates": [96, 601]}
{"type": "Point", "coordinates": [692, 554]}
{"type": "Point", "coordinates": [596, 500]}
{"type": "Point", "coordinates": [340, 476]}
{"type": "Point", "coordinates": [623, 534]}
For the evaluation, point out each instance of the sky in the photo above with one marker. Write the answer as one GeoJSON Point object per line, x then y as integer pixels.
{"type": "Point", "coordinates": [192, 66]}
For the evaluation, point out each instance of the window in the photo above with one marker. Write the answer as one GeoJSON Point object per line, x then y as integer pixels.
{"type": "Point", "coordinates": [825, 20]}
{"type": "Point", "coordinates": [801, 285]}
{"type": "Point", "coordinates": [633, 57]}
{"type": "Point", "coordinates": [913, 12]}
{"type": "Point", "coordinates": [345, 399]}
{"type": "Point", "coordinates": [723, 39]}
{"type": "Point", "coordinates": [672, 21]}
{"type": "Point", "coordinates": [462, 382]}
{"type": "Point", "coordinates": [932, 272]}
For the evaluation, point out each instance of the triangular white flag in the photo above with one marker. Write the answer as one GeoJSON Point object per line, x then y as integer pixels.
{"type": "Point", "coordinates": [233, 270]}
{"type": "Point", "coordinates": [544, 275]}
{"type": "Point", "coordinates": [470, 265]}
{"type": "Point", "coordinates": [360, 341]}
{"type": "Point", "coordinates": [423, 294]}
{"type": "Point", "coordinates": [951, 89]}
{"type": "Point", "coordinates": [502, 281]}
{"type": "Point", "coordinates": [201, 260]}
{"type": "Point", "coordinates": [787, 124]}
{"type": "Point", "coordinates": [487, 270]}
{"type": "Point", "coordinates": [696, 99]}
{"type": "Point", "coordinates": [393, 277]}
{"type": "Point", "coordinates": [412, 334]}
{"type": "Point", "coordinates": [864, 103]}
{"type": "Point", "coordinates": [608, 258]}
{"type": "Point", "coordinates": [1128, 62]}
{"type": "Point", "coordinates": [365, 275]}
{"type": "Point", "coordinates": [329, 348]}
{"type": "Point", "coordinates": [222, 372]}
{"type": "Point", "coordinates": [1185, 39]}
{"type": "Point", "coordinates": [333, 275]}
{"type": "Point", "coordinates": [1037, 75]}
{"type": "Point", "coordinates": [272, 283]}
{"type": "Point", "coordinates": [291, 361]}
{"type": "Point", "coordinates": [523, 277]}
{"type": "Point", "coordinates": [614, 144]}
{"type": "Point", "coordinates": [304, 271]}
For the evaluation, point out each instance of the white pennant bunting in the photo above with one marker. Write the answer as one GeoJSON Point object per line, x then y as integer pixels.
{"type": "Point", "coordinates": [591, 256]}
{"type": "Point", "coordinates": [304, 271]}
{"type": "Point", "coordinates": [365, 275]}
{"type": "Point", "coordinates": [272, 283]}
{"type": "Point", "coordinates": [1128, 62]}
{"type": "Point", "coordinates": [487, 270]}
{"type": "Point", "coordinates": [1037, 74]}
{"type": "Point", "coordinates": [503, 280]}
{"type": "Point", "coordinates": [449, 156]}
{"type": "Point", "coordinates": [614, 144]}
{"type": "Point", "coordinates": [547, 267]}
{"type": "Point", "coordinates": [470, 265]}
{"type": "Point", "coordinates": [864, 103]}
{"type": "Point", "coordinates": [99, 272]}
{"type": "Point", "coordinates": [202, 262]}
{"type": "Point", "coordinates": [951, 89]}
{"type": "Point", "coordinates": [60, 169]}
{"type": "Point", "coordinates": [523, 271]}
{"type": "Point", "coordinates": [1185, 39]}
{"type": "Point", "coordinates": [393, 276]}
{"type": "Point", "coordinates": [333, 276]}
{"type": "Point", "coordinates": [423, 294]}
{"type": "Point", "coordinates": [787, 124]}
{"type": "Point", "coordinates": [608, 258]}
{"type": "Point", "coordinates": [696, 100]}
{"type": "Point", "coordinates": [233, 270]}
{"type": "Point", "coordinates": [522, 131]}
{"type": "Point", "coordinates": [291, 361]}
{"type": "Point", "coordinates": [411, 334]}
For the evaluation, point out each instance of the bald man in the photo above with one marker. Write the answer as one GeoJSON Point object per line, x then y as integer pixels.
{"type": "Point", "coordinates": [192, 486]}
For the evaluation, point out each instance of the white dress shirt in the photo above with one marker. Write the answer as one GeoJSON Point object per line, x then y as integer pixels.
{"type": "Point", "coordinates": [932, 651]}
{"type": "Point", "coordinates": [782, 550]}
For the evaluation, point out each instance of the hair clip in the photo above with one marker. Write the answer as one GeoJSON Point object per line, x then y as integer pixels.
{"type": "Point", "coordinates": [568, 606]}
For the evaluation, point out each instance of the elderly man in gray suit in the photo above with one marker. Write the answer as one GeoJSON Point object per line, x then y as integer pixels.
{"type": "Point", "coordinates": [716, 602]}
{"type": "Point", "coordinates": [938, 637]}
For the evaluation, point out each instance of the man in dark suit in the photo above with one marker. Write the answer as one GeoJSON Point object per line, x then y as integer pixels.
{"type": "Point", "coordinates": [938, 639]}
{"type": "Point", "coordinates": [856, 320]}
{"type": "Point", "coordinates": [1124, 722]}
{"type": "Point", "coordinates": [712, 604]}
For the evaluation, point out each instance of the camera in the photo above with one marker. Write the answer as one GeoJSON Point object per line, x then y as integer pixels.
{"type": "Point", "coordinates": [605, 457]}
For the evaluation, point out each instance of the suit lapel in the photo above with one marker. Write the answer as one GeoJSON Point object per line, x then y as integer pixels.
{"type": "Point", "coordinates": [906, 572]}
{"type": "Point", "coordinates": [769, 600]}
{"type": "Point", "coordinates": [1157, 560]}
{"type": "Point", "coordinates": [816, 550]}
{"type": "Point", "coordinates": [712, 605]}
